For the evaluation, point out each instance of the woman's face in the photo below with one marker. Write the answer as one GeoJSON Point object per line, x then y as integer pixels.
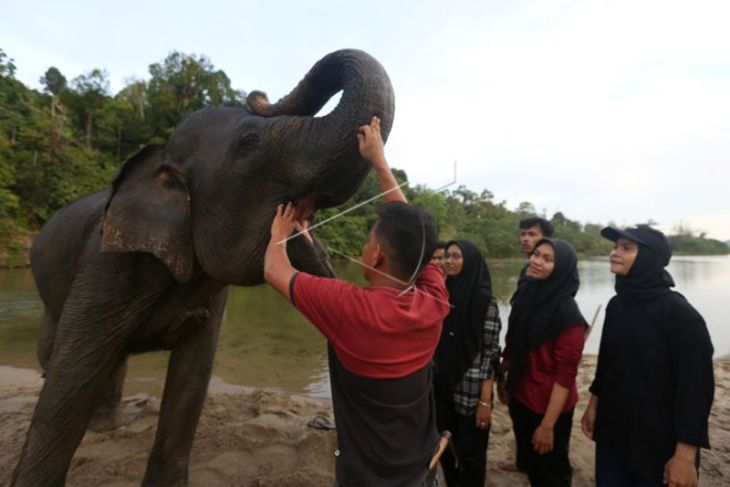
{"type": "Point", "coordinates": [453, 260]}
{"type": "Point", "coordinates": [623, 256]}
{"type": "Point", "coordinates": [542, 262]}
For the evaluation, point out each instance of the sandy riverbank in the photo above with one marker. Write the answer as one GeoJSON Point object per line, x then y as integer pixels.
{"type": "Point", "coordinates": [260, 438]}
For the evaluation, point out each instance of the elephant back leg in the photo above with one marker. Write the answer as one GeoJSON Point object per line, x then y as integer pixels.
{"type": "Point", "coordinates": [104, 306]}
{"type": "Point", "coordinates": [186, 385]}
{"type": "Point", "coordinates": [105, 414]}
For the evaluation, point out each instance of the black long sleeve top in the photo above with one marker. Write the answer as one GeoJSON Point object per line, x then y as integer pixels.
{"type": "Point", "coordinates": [654, 381]}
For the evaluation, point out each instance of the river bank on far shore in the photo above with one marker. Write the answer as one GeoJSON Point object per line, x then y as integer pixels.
{"type": "Point", "coordinates": [256, 437]}
{"type": "Point", "coordinates": [16, 252]}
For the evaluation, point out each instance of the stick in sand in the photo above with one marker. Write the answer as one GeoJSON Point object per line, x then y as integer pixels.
{"type": "Point", "coordinates": [593, 322]}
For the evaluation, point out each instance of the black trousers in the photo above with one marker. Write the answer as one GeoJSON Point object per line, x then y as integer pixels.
{"type": "Point", "coordinates": [553, 468]}
{"type": "Point", "coordinates": [431, 480]}
{"type": "Point", "coordinates": [520, 460]}
{"type": "Point", "coordinates": [468, 468]}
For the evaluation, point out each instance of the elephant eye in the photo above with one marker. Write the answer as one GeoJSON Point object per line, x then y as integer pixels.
{"type": "Point", "coordinates": [248, 142]}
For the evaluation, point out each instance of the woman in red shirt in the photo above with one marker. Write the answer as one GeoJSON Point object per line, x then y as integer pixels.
{"type": "Point", "coordinates": [544, 345]}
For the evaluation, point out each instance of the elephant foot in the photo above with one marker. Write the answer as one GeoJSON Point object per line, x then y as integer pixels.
{"type": "Point", "coordinates": [130, 410]}
{"type": "Point", "coordinates": [104, 419]}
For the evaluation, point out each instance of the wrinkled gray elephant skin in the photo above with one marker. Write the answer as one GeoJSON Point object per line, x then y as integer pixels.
{"type": "Point", "coordinates": [145, 264]}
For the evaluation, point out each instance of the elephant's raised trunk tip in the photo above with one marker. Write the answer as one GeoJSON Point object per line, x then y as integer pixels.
{"type": "Point", "coordinates": [259, 104]}
{"type": "Point", "coordinates": [365, 85]}
{"type": "Point", "coordinates": [331, 142]}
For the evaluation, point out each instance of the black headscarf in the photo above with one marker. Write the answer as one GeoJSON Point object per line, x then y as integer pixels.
{"type": "Point", "coordinates": [470, 293]}
{"type": "Point", "coordinates": [542, 309]}
{"type": "Point", "coordinates": [647, 279]}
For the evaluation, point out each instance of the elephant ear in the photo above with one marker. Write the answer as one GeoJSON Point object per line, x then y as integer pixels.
{"type": "Point", "coordinates": [148, 210]}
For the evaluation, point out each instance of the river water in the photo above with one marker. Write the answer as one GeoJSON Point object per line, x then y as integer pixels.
{"type": "Point", "coordinates": [264, 342]}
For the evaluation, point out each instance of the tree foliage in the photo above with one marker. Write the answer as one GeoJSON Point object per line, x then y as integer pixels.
{"type": "Point", "coordinates": [686, 241]}
{"type": "Point", "coordinates": [70, 138]}
{"type": "Point", "coordinates": [184, 83]}
{"type": "Point", "coordinates": [459, 213]}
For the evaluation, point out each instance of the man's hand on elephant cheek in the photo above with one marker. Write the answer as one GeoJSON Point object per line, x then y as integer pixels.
{"type": "Point", "coordinates": [284, 222]}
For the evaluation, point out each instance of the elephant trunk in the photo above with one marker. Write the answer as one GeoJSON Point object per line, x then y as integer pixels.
{"type": "Point", "coordinates": [329, 143]}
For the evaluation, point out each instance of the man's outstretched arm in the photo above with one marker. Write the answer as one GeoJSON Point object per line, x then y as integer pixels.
{"type": "Point", "coordinates": [370, 142]}
{"type": "Point", "coordinates": [278, 271]}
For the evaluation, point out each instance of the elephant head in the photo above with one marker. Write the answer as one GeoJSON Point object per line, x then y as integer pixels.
{"type": "Point", "coordinates": [205, 200]}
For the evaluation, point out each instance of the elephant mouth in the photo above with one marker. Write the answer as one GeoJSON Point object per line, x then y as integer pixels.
{"type": "Point", "coordinates": [306, 208]}
{"type": "Point", "coordinates": [331, 195]}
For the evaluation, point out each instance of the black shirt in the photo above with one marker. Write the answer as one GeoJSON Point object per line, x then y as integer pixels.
{"type": "Point", "coordinates": [386, 428]}
{"type": "Point", "coordinates": [654, 381]}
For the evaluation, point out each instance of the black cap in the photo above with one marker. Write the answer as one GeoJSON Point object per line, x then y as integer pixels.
{"type": "Point", "coordinates": [643, 235]}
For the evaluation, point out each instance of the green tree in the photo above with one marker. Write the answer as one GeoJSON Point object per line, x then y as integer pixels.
{"type": "Point", "coordinates": [54, 84]}
{"type": "Point", "coordinates": [8, 199]}
{"type": "Point", "coordinates": [684, 241]}
{"type": "Point", "coordinates": [13, 111]}
{"type": "Point", "coordinates": [136, 94]}
{"type": "Point", "coordinates": [7, 65]}
{"type": "Point", "coordinates": [526, 208]}
{"type": "Point", "coordinates": [90, 93]}
{"type": "Point", "coordinates": [183, 83]}
{"type": "Point", "coordinates": [53, 81]}
{"type": "Point", "coordinates": [432, 202]}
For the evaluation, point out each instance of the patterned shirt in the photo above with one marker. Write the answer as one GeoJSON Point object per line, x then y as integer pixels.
{"type": "Point", "coordinates": [485, 365]}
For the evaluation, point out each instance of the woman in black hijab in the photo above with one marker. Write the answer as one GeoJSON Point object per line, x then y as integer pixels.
{"type": "Point", "coordinates": [544, 345]}
{"type": "Point", "coordinates": [654, 383]}
{"type": "Point", "coordinates": [466, 361]}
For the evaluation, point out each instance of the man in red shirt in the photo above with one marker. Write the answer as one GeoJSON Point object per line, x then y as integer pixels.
{"type": "Point", "coordinates": [380, 338]}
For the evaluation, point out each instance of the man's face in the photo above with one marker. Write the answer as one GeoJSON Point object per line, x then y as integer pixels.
{"type": "Point", "coordinates": [528, 238]}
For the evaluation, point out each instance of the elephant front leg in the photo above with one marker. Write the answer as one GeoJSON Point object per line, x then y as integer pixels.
{"type": "Point", "coordinates": [68, 398]}
{"type": "Point", "coordinates": [188, 374]}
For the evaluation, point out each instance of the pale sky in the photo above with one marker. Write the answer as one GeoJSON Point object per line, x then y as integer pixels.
{"type": "Point", "coordinates": [605, 110]}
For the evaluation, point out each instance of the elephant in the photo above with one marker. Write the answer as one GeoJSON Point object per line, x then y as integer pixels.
{"type": "Point", "coordinates": [146, 263]}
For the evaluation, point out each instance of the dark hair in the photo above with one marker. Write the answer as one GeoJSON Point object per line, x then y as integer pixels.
{"type": "Point", "coordinates": [408, 235]}
{"type": "Point", "coordinates": [545, 226]}
{"type": "Point", "coordinates": [439, 245]}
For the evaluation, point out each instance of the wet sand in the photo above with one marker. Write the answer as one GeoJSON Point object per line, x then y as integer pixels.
{"type": "Point", "coordinates": [257, 438]}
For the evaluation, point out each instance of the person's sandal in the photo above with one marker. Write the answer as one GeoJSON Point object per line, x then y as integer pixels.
{"type": "Point", "coordinates": [321, 422]}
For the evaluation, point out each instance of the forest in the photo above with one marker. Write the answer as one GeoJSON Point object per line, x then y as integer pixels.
{"type": "Point", "coordinates": [70, 138]}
